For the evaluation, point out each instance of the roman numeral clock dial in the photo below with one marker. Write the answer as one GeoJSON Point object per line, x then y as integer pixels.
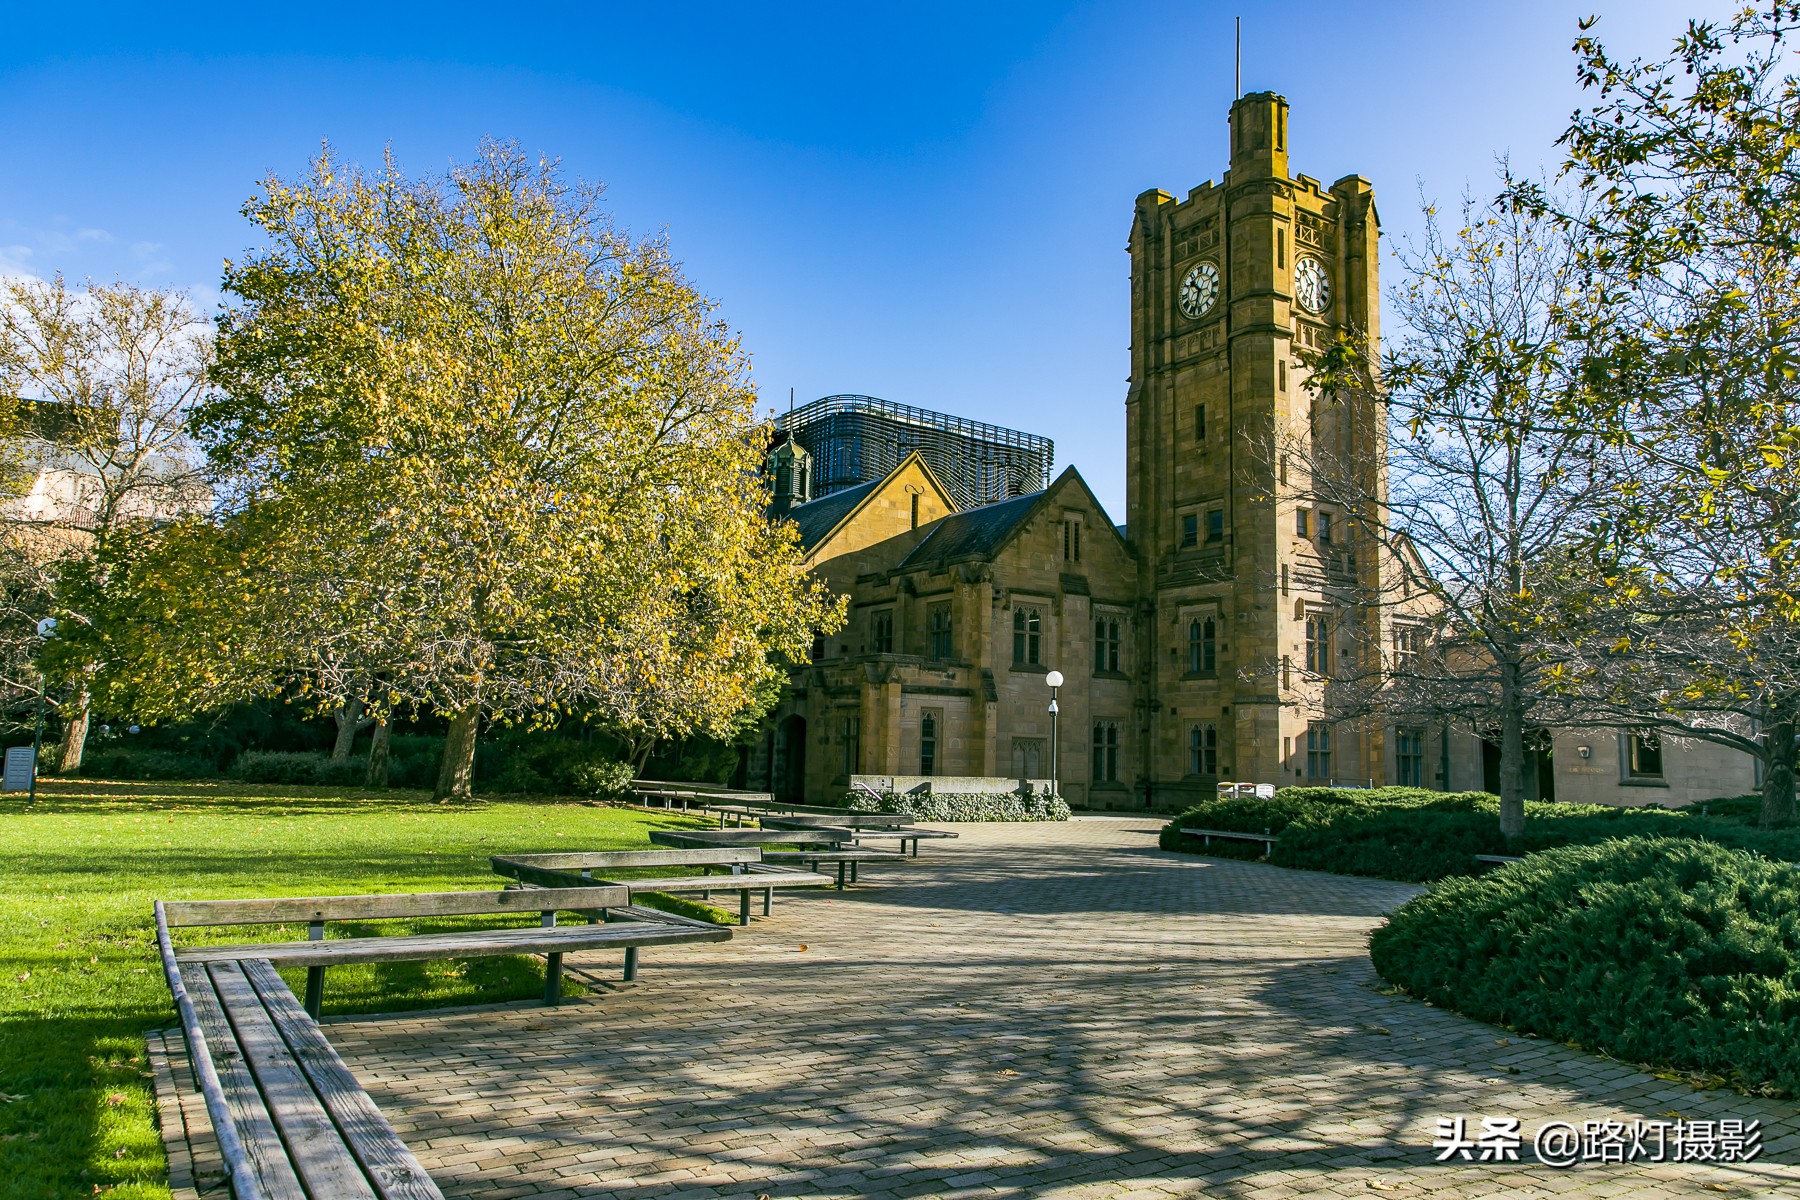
{"type": "Point", "coordinates": [1199, 289]}
{"type": "Point", "coordinates": [1312, 286]}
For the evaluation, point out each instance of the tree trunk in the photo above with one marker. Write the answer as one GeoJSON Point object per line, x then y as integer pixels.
{"type": "Point", "coordinates": [458, 767]}
{"type": "Point", "coordinates": [75, 731]}
{"type": "Point", "coordinates": [377, 776]}
{"type": "Point", "coordinates": [1778, 780]}
{"type": "Point", "coordinates": [350, 721]}
{"type": "Point", "coordinates": [1512, 754]}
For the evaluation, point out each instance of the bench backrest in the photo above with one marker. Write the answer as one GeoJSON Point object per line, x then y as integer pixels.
{"type": "Point", "coordinates": [286, 909]}
{"type": "Point", "coordinates": [588, 860]}
{"type": "Point", "coordinates": [840, 821]}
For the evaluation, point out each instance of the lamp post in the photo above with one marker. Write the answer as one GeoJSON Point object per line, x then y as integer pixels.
{"type": "Point", "coordinates": [46, 629]}
{"type": "Point", "coordinates": [1055, 680]}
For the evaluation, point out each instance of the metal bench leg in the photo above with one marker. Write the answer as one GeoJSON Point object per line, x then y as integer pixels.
{"type": "Point", "coordinates": [630, 963]}
{"type": "Point", "coordinates": [315, 991]}
{"type": "Point", "coordinates": [841, 865]}
{"type": "Point", "coordinates": [853, 869]}
{"type": "Point", "coordinates": [768, 901]}
{"type": "Point", "coordinates": [552, 978]}
{"type": "Point", "coordinates": [915, 852]}
{"type": "Point", "coordinates": [744, 907]}
{"type": "Point", "coordinates": [315, 976]}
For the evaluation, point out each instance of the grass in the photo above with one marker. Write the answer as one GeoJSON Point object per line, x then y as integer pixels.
{"type": "Point", "coordinates": [80, 980]}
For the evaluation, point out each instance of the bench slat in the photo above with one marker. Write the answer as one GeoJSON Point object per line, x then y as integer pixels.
{"type": "Point", "coordinates": [262, 1145]}
{"type": "Point", "coordinates": [563, 939]}
{"type": "Point", "coordinates": [641, 912]}
{"type": "Point", "coordinates": [585, 861]}
{"type": "Point", "coordinates": [727, 883]}
{"type": "Point", "coordinates": [290, 909]}
{"type": "Point", "coordinates": [751, 837]}
{"type": "Point", "coordinates": [393, 1168]}
{"type": "Point", "coordinates": [841, 853]}
{"type": "Point", "coordinates": [324, 1163]}
{"type": "Point", "coordinates": [857, 821]}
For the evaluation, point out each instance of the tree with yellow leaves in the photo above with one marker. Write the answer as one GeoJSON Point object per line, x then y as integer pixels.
{"type": "Point", "coordinates": [497, 457]}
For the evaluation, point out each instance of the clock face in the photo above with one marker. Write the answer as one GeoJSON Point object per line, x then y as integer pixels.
{"type": "Point", "coordinates": [1312, 286]}
{"type": "Point", "coordinates": [1199, 288]}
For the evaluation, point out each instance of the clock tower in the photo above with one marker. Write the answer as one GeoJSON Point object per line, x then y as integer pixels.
{"type": "Point", "coordinates": [1252, 593]}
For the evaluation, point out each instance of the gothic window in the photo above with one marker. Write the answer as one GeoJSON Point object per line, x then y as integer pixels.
{"type": "Point", "coordinates": [1203, 646]}
{"type": "Point", "coordinates": [1203, 749]}
{"type": "Point", "coordinates": [881, 632]}
{"type": "Point", "coordinates": [1409, 757]}
{"type": "Point", "coordinates": [1106, 751]}
{"type": "Point", "coordinates": [852, 740]}
{"type": "Point", "coordinates": [1324, 527]}
{"type": "Point", "coordinates": [1190, 530]}
{"type": "Point", "coordinates": [1318, 645]}
{"type": "Point", "coordinates": [1407, 641]}
{"type": "Point", "coordinates": [1643, 756]}
{"type": "Point", "coordinates": [1028, 626]}
{"type": "Point", "coordinates": [928, 741]}
{"type": "Point", "coordinates": [938, 626]}
{"type": "Point", "coordinates": [1106, 645]}
{"type": "Point", "coordinates": [1318, 751]}
{"type": "Point", "coordinates": [1215, 526]}
{"type": "Point", "coordinates": [818, 647]}
{"type": "Point", "coordinates": [1302, 522]}
{"type": "Point", "coordinates": [1199, 422]}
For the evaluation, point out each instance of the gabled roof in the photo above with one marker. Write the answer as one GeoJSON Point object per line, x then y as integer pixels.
{"type": "Point", "coordinates": [817, 518]}
{"type": "Point", "coordinates": [972, 533]}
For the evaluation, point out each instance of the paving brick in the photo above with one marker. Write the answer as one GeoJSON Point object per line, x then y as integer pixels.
{"type": "Point", "coordinates": [1055, 1010]}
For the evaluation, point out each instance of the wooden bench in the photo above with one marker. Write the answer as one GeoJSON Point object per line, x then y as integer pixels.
{"type": "Point", "coordinates": [316, 954]}
{"type": "Point", "coordinates": [844, 856]}
{"type": "Point", "coordinates": [291, 1121]}
{"type": "Point", "coordinates": [1234, 835]}
{"type": "Point", "coordinates": [902, 834]}
{"type": "Point", "coordinates": [748, 873]}
{"type": "Point", "coordinates": [841, 820]}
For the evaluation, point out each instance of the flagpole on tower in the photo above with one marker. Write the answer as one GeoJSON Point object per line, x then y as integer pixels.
{"type": "Point", "coordinates": [1240, 58]}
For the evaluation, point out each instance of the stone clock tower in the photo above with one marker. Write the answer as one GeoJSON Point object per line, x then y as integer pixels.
{"type": "Point", "coordinates": [1253, 591]}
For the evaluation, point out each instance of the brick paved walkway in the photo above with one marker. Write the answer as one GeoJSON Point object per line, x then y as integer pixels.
{"type": "Point", "coordinates": [1046, 1011]}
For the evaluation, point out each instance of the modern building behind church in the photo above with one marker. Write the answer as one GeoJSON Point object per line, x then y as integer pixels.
{"type": "Point", "coordinates": [1196, 639]}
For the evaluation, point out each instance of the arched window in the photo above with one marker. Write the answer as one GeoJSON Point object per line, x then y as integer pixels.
{"type": "Point", "coordinates": [1203, 646]}
{"type": "Point", "coordinates": [1106, 751]}
{"type": "Point", "coordinates": [1028, 625]}
{"type": "Point", "coordinates": [1203, 749]}
{"type": "Point", "coordinates": [1106, 645]}
{"type": "Point", "coordinates": [928, 738]}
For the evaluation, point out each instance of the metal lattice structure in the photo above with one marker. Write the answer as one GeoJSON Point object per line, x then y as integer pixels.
{"type": "Point", "coordinates": [856, 439]}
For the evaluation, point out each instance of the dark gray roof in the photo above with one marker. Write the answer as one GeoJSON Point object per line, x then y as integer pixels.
{"type": "Point", "coordinates": [970, 534]}
{"type": "Point", "coordinates": [821, 516]}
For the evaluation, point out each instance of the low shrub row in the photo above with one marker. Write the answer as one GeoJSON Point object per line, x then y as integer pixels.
{"type": "Point", "coordinates": [1418, 836]}
{"type": "Point", "coordinates": [1670, 952]}
{"type": "Point", "coordinates": [964, 806]}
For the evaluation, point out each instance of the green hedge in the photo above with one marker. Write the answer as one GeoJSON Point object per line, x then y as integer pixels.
{"type": "Point", "coordinates": [964, 806]}
{"type": "Point", "coordinates": [298, 766]}
{"type": "Point", "coordinates": [142, 765]}
{"type": "Point", "coordinates": [1663, 951]}
{"type": "Point", "coordinates": [1418, 836]}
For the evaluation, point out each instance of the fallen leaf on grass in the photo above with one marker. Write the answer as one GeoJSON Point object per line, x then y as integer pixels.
{"type": "Point", "coordinates": [115, 1099]}
{"type": "Point", "coordinates": [9, 1098]}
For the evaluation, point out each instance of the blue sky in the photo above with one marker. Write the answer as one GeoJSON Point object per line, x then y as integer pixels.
{"type": "Point", "coordinates": [927, 202]}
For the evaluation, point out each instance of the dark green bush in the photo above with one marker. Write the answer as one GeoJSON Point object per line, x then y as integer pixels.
{"type": "Point", "coordinates": [1418, 836]}
{"type": "Point", "coordinates": [1664, 951]}
{"type": "Point", "coordinates": [964, 806]}
{"type": "Point", "coordinates": [145, 764]}
{"type": "Point", "coordinates": [298, 766]}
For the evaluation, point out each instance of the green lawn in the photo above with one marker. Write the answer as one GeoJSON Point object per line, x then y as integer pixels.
{"type": "Point", "coordinates": [80, 980]}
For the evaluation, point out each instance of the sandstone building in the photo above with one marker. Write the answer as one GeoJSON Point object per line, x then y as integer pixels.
{"type": "Point", "coordinates": [1196, 639]}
